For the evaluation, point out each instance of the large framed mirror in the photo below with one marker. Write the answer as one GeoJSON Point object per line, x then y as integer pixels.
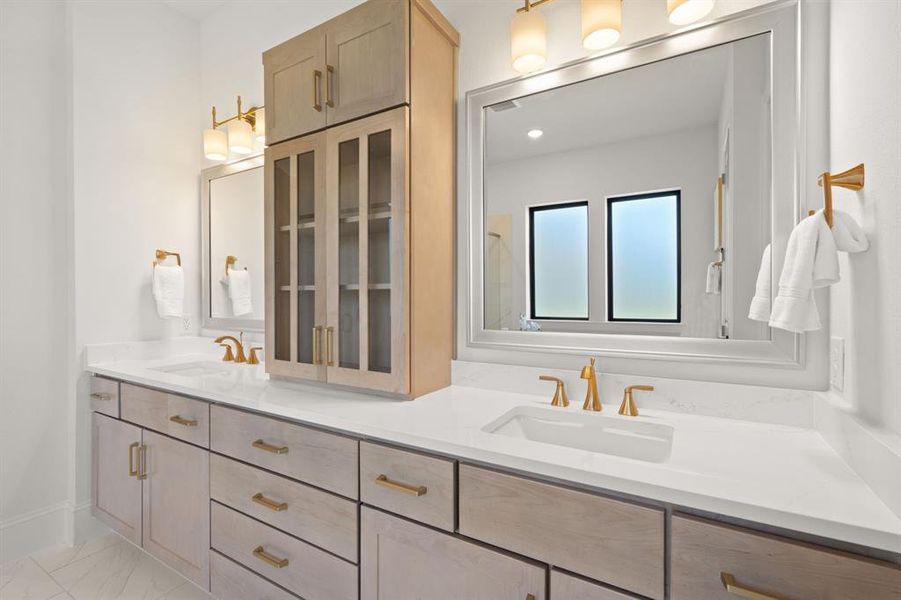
{"type": "Point", "coordinates": [624, 204]}
{"type": "Point", "coordinates": [233, 247]}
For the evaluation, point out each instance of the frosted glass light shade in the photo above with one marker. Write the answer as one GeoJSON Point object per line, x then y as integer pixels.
{"type": "Point", "coordinates": [259, 127]}
{"type": "Point", "coordinates": [240, 137]}
{"type": "Point", "coordinates": [602, 23]}
{"type": "Point", "coordinates": [528, 41]}
{"type": "Point", "coordinates": [215, 144]}
{"type": "Point", "coordinates": [683, 12]}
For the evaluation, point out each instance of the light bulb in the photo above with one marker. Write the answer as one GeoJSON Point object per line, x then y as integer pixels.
{"type": "Point", "coordinates": [240, 137]}
{"type": "Point", "coordinates": [528, 42]}
{"type": "Point", "coordinates": [602, 23]}
{"type": "Point", "coordinates": [683, 12]}
{"type": "Point", "coordinates": [215, 144]}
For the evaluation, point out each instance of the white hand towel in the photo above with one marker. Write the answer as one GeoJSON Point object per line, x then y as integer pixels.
{"type": "Point", "coordinates": [760, 303]}
{"type": "Point", "coordinates": [168, 285]}
{"type": "Point", "coordinates": [811, 261]}
{"type": "Point", "coordinates": [714, 278]}
{"type": "Point", "coordinates": [849, 237]}
{"type": "Point", "coordinates": [239, 291]}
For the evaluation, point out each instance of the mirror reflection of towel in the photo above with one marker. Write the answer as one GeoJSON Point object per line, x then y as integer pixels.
{"type": "Point", "coordinates": [714, 278]}
{"type": "Point", "coordinates": [239, 291]}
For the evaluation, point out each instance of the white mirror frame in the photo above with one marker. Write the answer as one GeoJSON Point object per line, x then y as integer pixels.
{"type": "Point", "coordinates": [207, 175]}
{"type": "Point", "coordinates": [785, 350]}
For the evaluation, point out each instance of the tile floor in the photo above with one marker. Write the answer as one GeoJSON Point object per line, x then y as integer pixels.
{"type": "Point", "coordinates": [105, 568]}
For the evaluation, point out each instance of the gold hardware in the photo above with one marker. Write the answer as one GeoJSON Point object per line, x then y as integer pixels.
{"type": "Point", "coordinates": [142, 462]}
{"type": "Point", "coordinates": [229, 355]}
{"type": "Point", "coordinates": [329, 339]}
{"type": "Point", "coordinates": [317, 92]}
{"type": "Point", "coordinates": [628, 407]}
{"type": "Point", "coordinates": [264, 556]}
{"type": "Point", "coordinates": [230, 262]}
{"type": "Point", "coordinates": [560, 398]}
{"type": "Point", "coordinates": [182, 421]}
{"type": "Point", "coordinates": [743, 592]}
{"type": "Point", "coordinates": [412, 490]}
{"type": "Point", "coordinates": [317, 345]}
{"type": "Point", "coordinates": [852, 179]}
{"type": "Point", "coordinates": [239, 348]}
{"type": "Point", "coordinates": [270, 504]}
{"type": "Point", "coordinates": [132, 470]}
{"type": "Point", "coordinates": [329, 76]}
{"type": "Point", "coordinates": [253, 359]}
{"type": "Point", "coordinates": [592, 398]}
{"type": "Point", "coordinates": [101, 396]}
{"type": "Point", "coordinates": [162, 254]}
{"type": "Point", "coordinates": [250, 116]}
{"type": "Point", "coordinates": [529, 5]}
{"type": "Point", "coordinates": [530, 596]}
{"type": "Point", "coordinates": [260, 444]}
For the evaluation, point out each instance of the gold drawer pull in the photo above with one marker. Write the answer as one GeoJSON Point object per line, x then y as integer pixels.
{"type": "Point", "coordinates": [267, 558]}
{"type": "Point", "coordinates": [317, 90]}
{"type": "Point", "coordinates": [743, 592]}
{"type": "Point", "coordinates": [269, 447]}
{"type": "Point", "coordinates": [413, 490]}
{"type": "Point", "coordinates": [132, 469]}
{"type": "Point", "coordinates": [101, 396]}
{"type": "Point", "coordinates": [142, 462]}
{"type": "Point", "coordinates": [182, 421]}
{"type": "Point", "coordinates": [270, 504]}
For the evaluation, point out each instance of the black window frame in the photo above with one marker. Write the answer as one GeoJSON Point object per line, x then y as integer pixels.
{"type": "Point", "coordinates": [611, 200]}
{"type": "Point", "coordinates": [544, 207]}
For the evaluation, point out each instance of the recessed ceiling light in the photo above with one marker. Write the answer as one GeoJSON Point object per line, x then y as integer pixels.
{"type": "Point", "coordinates": [535, 133]}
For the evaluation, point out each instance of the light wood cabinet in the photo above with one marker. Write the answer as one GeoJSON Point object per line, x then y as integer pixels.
{"type": "Point", "coordinates": [568, 587]}
{"type": "Point", "coordinates": [400, 559]}
{"type": "Point", "coordinates": [359, 234]}
{"type": "Point", "coordinates": [174, 415]}
{"type": "Point", "coordinates": [105, 396]}
{"type": "Point", "coordinates": [115, 487]}
{"type": "Point", "coordinates": [293, 82]}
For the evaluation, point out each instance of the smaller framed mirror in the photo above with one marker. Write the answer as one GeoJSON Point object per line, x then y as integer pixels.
{"type": "Point", "coordinates": [233, 246]}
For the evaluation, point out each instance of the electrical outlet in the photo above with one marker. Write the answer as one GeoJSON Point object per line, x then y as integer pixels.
{"type": "Point", "coordinates": [837, 363]}
{"type": "Point", "coordinates": [186, 322]}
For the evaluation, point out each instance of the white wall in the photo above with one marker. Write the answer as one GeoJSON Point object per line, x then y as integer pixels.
{"type": "Point", "coordinates": [34, 295]}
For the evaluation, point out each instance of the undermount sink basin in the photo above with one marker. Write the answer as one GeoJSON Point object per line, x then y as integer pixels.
{"type": "Point", "coordinates": [196, 369]}
{"type": "Point", "coordinates": [615, 435]}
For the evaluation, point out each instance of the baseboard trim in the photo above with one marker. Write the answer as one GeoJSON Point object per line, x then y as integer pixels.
{"type": "Point", "coordinates": [33, 531]}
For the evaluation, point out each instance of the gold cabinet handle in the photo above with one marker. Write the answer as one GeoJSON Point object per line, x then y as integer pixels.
{"type": "Point", "coordinates": [270, 504]}
{"type": "Point", "coordinates": [132, 469]}
{"type": "Point", "coordinates": [317, 345]}
{"type": "Point", "coordinates": [530, 596]}
{"type": "Point", "coordinates": [413, 490]}
{"type": "Point", "coordinates": [744, 592]}
{"type": "Point", "coordinates": [260, 444]}
{"type": "Point", "coordinates": [329, 345]}
{"type": "Point", "coordinates": [329, 77]}
{"type": "Point", "coordinates": [101, 396]}
{"type": "Point", "coordinates": [142, 462]}
{"type": "Point", "coordinates": [182, 421]}
{"type": "Point", "coordinates": [267, 558]}
{"type": "Point", "coordinates": [317, 89]}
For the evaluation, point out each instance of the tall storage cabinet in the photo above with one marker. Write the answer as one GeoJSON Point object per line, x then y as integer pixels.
{"type": "Point", "coordinates": [359, 216]}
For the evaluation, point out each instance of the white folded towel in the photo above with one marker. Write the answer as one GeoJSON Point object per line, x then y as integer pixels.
{"type": "Point", "coordinates": [714, 278]}
{"type": "Point", "coordinates": [849, 237]}
{"type": "Point", "coordinates": [760, 303]}
{"type": "Point", "coordinates": [239, 291]}
{"type": "Point", "coordinates": [168, 285]}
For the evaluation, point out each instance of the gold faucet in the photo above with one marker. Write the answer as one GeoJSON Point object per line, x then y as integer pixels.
{"type": "Point", "coordinates": [239, 348]}
{"type": "Point", "coordinates": [253, 359]}
{"type": "Point", "coordinates": [592, 398]}
{"type": "Point", "coordinates": [628, 407]}
{"type": "Point", "coordinates": [560, 398]}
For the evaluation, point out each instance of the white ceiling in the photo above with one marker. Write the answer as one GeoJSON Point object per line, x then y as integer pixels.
{"type": "Point", "coordinates": [195, 9]}
{"type": "Point", "coordinates": [670, 95]}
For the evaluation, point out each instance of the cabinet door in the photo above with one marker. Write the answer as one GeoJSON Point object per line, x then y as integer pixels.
{"type": "Point", "coordinates": [367, 60]}
{"type": "Point", "coordinates": [294, 81]}
{"type": "Point", "coordinates": [295, 258]}
{"type": "Point", "coordinates": [400, 559]}
{"type": "Point", "coordinates": [367, 258]}
{"type": "Point", "coordinates": [177, 505]}
{"type": "Point", "coordinates": [115, 487]}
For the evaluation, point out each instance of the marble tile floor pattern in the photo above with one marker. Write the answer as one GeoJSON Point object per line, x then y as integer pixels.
{"type": "Point", "coordinates": [105, 568]}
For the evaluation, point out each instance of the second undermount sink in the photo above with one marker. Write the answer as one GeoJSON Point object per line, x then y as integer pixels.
{"type": "Point", "coordinates": [615, 435]}
{"type": "Point", "coordinates": [202, 368]}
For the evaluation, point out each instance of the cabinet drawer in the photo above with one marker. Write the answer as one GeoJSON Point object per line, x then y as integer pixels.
{"type": "Point", "coordinates": [231, 581]}
{"type": "Point", "coordinates": [608, 540]}
{"type": "Point", "coordinates": [304, 570]}
{"type": "Point", "coordinates": [105, 396]}
{"type": "Point", "coordinates": [774, 567]}
{"type": "Point", "coordinates": [567, 587]}
{"type": "Point", "coordinates": [322, 459]}
{"type": "Point", "coordinates": [174, 415]}
{"type": "Point", "coordinates": [321, 518]}
{"type": "Point", "coordinates": [413, 485]}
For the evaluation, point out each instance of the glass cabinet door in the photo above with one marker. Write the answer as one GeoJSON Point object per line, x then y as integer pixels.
{"type": "Point", "coordinates": [365, 343]}
{"type": "Point", "coordinates": [295, 227]}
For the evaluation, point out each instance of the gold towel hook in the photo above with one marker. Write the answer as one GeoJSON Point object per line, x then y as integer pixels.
{"type": "Point", "coordinates": [162, 254]}
{"type": "Point", "coordinates": [852, 179]}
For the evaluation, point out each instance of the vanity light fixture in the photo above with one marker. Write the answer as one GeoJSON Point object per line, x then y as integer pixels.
{"type": "Point", "coordinates": [242, 128]}
{"type": "Point", "coordinates": [535, 133]}
{"type": "Point", "coordinates": [683, 12]}
{"type": "Point", "coordinates": [528, 38]}
{"type": "Point", "coordinates": [602, 23]}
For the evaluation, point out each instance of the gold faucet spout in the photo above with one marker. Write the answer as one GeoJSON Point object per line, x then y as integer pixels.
{"type": "Point", "coordinates": [628, 407]}
{"type": "Point", "coordinates": [560, 398]}
{"type": "Point", "coordinates": [238, 357]}
{"type": "Point", "coordinates": [592, 397]}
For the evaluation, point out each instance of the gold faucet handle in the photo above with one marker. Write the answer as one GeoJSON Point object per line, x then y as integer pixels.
{"type": "Point", "coordinates": [253, 359]}
{"type": "Point", "coordinates": [229, 355]}
{"type": "Point", "coordinates": [628, 407]}
{"type": "Point", "coordinates": [560, 398]}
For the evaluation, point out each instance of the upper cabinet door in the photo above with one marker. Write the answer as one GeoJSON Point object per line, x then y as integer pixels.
{"type": "Point", "coordinates": [116, 488]}
{"type": "Point", "coordinates": [366, 344]}
{"type": "Point", "coordinates": [367, 60]}
{"type": "Point", "coordinates": [294, 75]}
{"type": "Point", "coordinates": [296, 254]}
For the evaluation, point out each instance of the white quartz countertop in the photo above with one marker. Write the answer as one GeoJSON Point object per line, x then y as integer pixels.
{"type": "Point", "coordinates": [776, 475]}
